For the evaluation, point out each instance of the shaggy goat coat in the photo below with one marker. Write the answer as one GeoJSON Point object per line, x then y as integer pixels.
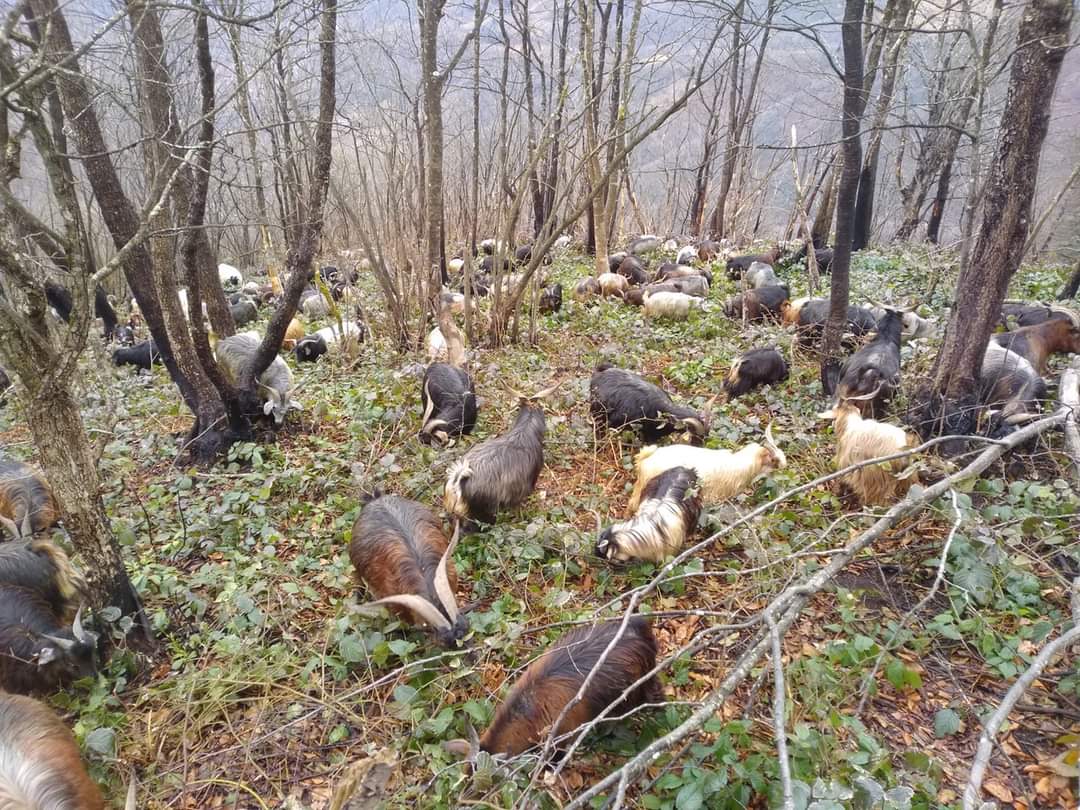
{"type": "Point", "coordinates": [498, 473]}
{"type": "Point", "coordinates": [621, 399]}
{"type": "Point", "coordinates": [858, 440]}
{"type": "Point", "coordinates": [449, 401]}
{"type": "Point", "coordinates": [874, 367]}
{"type": "Point", "coordinates": [553, 680]}
{"type": "Point", "coordinates": [668, 515]}
{"type": "Point", "coordinates": [27, 505]}
{"type": "Point", "coordinates": [275, 384]}
{"type": "Point", "coordinates": [40, 764]}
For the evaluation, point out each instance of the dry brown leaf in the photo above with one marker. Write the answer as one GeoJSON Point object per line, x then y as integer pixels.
{"type": "Point", "coordinates": [998, 791]}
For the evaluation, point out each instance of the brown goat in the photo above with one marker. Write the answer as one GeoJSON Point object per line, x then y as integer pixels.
{"type": "Point", "coordinates": [399, 549]}
{"type": "Point", "coordinates": [27, 505]}
{"type": "Point", "coordinates": [550, 683]}
{"type": "Point", "coordinates": [40, 764]}
{"type": "Point", "coordinates": [757, 305]}
{"type": "Point", "coordinates": [1036, 343]}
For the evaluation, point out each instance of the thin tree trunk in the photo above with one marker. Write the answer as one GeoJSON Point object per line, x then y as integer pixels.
{"type": "Point", "coordinates": [941, 197]}
{"type": "Point", "coordinates": [1072, 285]}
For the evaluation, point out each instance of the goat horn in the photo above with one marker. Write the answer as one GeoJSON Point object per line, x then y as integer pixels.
{"type": "Point", "coordinates": [63, 643]}
{"type": "Point", "coordinates": [442, 580]}
{"type": "Point", "coordinates": [9, 524]}
{"type": "Point", "coordinates": [599, 521]}
{"type": "Point", "coordinates": [418, 605]}
{"type": "Point", "coordinates": [77, 630]}
{"type": "Point", "coordinates": [771, 444]}
{"type": "Point", "coordinates": [27, 525]}
{"type": "Point", "coordinates": [546, 392]}
{"type": "Point", "coordinates": [864, 397]}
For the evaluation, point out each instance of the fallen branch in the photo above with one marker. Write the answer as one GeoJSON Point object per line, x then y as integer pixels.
{"type": "Point", "coordinates": [788, 605]}
{"type": "Point", "coordinates": [1069, 391]}
{"type": "Point", "coordinates": [779, 722]}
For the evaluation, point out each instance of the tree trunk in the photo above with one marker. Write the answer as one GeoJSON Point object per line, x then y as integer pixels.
{"type": "Point", "coordinates": [1072, 285]}
{"type": "Point", "coordinates": [430, 15]}
{"type": "Point", "coordinates": [1042, 42]}
{"type": "Point", "coordinates": [823, 219]}
{"type": "Point", "coordinates": [941, 196]}
{"type": "Point", "coordinates": [854, 103]}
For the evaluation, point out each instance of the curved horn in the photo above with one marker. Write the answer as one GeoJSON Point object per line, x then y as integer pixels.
{"type": "Point", "coordinates": [418, 605]}
{"type": "Point", "coordinates": [81, 635]}
{"type": "Point", "coordinates": [770, 443]}
{"type": "Point", "coordinates": [599, 521]}
{"type": "Point", "coordinates": [442, 580]}
{"type": "Point", "coordinates": [65, 644]}
{"type": "Point", "coordinates": [27, 525]}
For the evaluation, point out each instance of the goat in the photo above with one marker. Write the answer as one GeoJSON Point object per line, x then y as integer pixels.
{"type": "Point", "coordinates": [398, 548]}
{"type": "Point", "coordinates": [757, 305]}
{"type": "Point", "coordinates": [551, 299]}
{"type": "Point", "coordinates": [38, 651]}
{"type": "Point", "coordinates": [810, 315]}
{"type": "Point", "coordinates": [753, 368]}
{"type": "Point", "coordinates": [667, 516]}
{"type": "Point", "coordinates": [670, 272]}
{"type": "Point", "coordinates": [614, 260]}
{"type": "Point", "coordinates": [523, 255]}
{"type": "Point", "coordinates": [644, 244]}
{"type": "Point", "coordinates": [500, 472]}
{"type": "Point", "coordinates": [40, 764]}
{"type": "Point", "coordinates": [1033, 315]}
{"type": "Point", "coordinates": [874, 368]}
{"type": "Point", "coordinates": [738, 265]}
{"type": "Point", "coordinates": [1036, 343]}
{"type": "Point", "coordinates": [293, 332]}
{"type": "Point", "coordinates": [621, 399]}
{"type": "Point", "coordinates": [722, 474]}
{"type": "Point", "coordinates": [708, 250]}
{"type": "Point", "coordinates": [673, 305]}
{"type": "Point", "coordinates": [859, 439]}
{"type": "Point", "coordinates": [311, 347]}
{"type": "Point", "coordinates": [687, 255]}
{"type": "Point", "coordinates": [124, 335]}
{"type": "Point", "coordinates": [914, 326]}
{"type": "Point", "coordinates": [1009, 387]}
{"type": "Point", "coordinates": [43, 567]}
{"type": "Point", "coordinates": [634, 271]}
{"type": "Point", "coordinates": [790, 311]}
{"type": "Point", "coordinates": [142, 355]}
{"type": "Point", "coordinates": [230, 277]}
{"type": "Point", "coordinates": [313, 305]}
{"type": "Point", "coordinates": [244, 312]}
{"type": "Point", "coordinates": [823, 256]}
{"type": "Point", "coordinates": [696, 286]}
{"type": "Point", "coordinates": [27, 505]}
{"type": "Point", "coordinates": [587, 288]}
{"type": "Point", "coordinates": [489, 264]}
{"type": "Point", "coordinates": [59, 299]}
{"type": "Point", "coordinates": [449, 401]}
{"type": "Point", "coordinates": [669, 246]}
{"type": "Point", "coordinates": [612, 284]}
{"type": "Point", "coordinates": [329, 273]}
{"type": "Point", "coordinates": [635, 297]}
{"type": "Point", "coordinates": [489, 247]}
{"type": "Point", "coordinates": [553, 680]}
{"type": "Point", "coordinates": [760, 275]}
{"type": "Point", "coordinates": [455, 266]}
{"type": "Point", "coordinates": [275, 384]}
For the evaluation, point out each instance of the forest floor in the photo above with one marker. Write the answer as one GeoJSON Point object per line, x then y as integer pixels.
{"type": "Point", "coordinates": [268, 685]}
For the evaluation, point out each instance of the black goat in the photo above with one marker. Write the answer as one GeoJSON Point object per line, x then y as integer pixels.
{"type": "Point", "coordinates": [621, 399]}
{"type": "Point", "coordinates": [38, 651]}
{"type": "Point", "coordinates": [551, 299]}
{"type": "Point", "coordinates": [143, 355]}
{"type": "Point", "coordinates": [59, 298]}
{"type": "Point", "coordinates": [501, 472]}
{"type": "Point", "coordinates": [666, 517]}
{"type": "Point", "coordinates": [244, 311]}
{"type": "Point", "coordinates": [614, 260]}
{"type": "Point", "coordinates": [27, 504]}
{"type": "Point", "coordinates": [874, 368]}
{"type": "Point", "coordinates": [633, 270]}
{"type": "Point", "coordinates": [449, 400]}
{"type": "Point", "coordinates": [753, 368]}
{"type": "Point", "coordinates": [43, 567]}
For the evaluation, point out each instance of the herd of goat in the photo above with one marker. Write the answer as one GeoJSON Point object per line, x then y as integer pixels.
{"type": "Point", "coordinates": [399, 548]}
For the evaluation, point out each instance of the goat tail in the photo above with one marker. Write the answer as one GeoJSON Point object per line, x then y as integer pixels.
{"type": "Point", "coordinates": [453, 495]}
{"type": "Point", "coordinates": [69, 581]}
{"type": "Point", "coordinates": [733, 375]}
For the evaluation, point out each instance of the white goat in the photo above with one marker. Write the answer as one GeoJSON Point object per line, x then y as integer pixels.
{"type": "Point", "coordinates": [229, 276]}
{"type": "Point", "coordinates": [859, 439]}
{"type": "Point", "coordinates": [672, 305]}
{"type": "Point", "coordinates": [275, 383]}
{"type": "Point", "coordinates": [613, 284]}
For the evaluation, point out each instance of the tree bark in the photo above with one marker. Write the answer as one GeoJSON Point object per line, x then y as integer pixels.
{"type": "Point", "coordinates": [1041, 46]}
{"type": "Point", "coordinates": [854, 103]}
{"type": "Point", "coordinates": [1072, 285]}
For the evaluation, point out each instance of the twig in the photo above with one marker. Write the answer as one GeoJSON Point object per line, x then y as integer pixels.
{"type": "Point", "coordinates": [1069, 390]}
{"type": "Point", "coordinates": [1016, 691]}
{"type": "Point", "coordinates": [779, 723]}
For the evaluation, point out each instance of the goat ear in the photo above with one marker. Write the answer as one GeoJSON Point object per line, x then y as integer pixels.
{"type": "Point", "coordinates": [47, 656]}
{"type": "Point", "coordinates": [442, 579]}
{"type": "Point", "coordinates": [27, 525]}
{"type": "Point", "coordinates": [268, 407]}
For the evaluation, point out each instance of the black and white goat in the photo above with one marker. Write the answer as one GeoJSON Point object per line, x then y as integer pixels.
{"type": "Point", "coordinates": [398, 548]}
{"type": "Point", "coordinates": [666, 517]}
{"type": "Point", "coordinates": [621, 399]}
{"type": "Point", "coordinates": [753, 368]}
{"type": "Point", "coordinates": [449, 400]}
{"type": "Point", "coordinates": [501, 472]}
{"type": "Point", "coordinates": [551, 299]}
{"type": "Point", "coordinates": [274, 385]}
{"type": "Point", "coordinates": [311, 347]}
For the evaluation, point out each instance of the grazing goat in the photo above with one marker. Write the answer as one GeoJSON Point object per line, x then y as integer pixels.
{"type": "Point", "coordinates": [449, 401]}
{"type": "Point", "coordinates": [313, 305]}
{"type": "Point", "coordinates": [859, 439]}
{"type": "Point", "coordinates": [722, 474]}
{"type": "Point", "coordinates": [244, 312]}
{"type": "Point", "coordinates": [523, 255]}
{"type": "Point", "coordinates": [275, 384]}
{"type": "Point", "coordinates": [1036, 343]}
{"type": "Point", "coordinates": [311, 347]}
{"type": "Point", "coordinates": [791, 311]}
{"type": "Point", "coordinates": [489, 264]}
{"type": "Point", "coordinates": [614, 260]}
{"type": "Point", "coordinates": [738, 265]}
{"type": "Point", "coordinates": [40, 764]}
{"type": "Point", "coordinates": [398, 548]}
{"type": "Point", "coordinates": [1009, 387]}
{"type": "Point", "coordinates": [43, 567]}
{"type": "Point", "coordinates": [143, 355]}
{"type": "Point", "coordinates": [757, 305]}
{"type": "Point", "coordinates": [230, 277]}
{"type": "Point", "coordinates": [875, 368]}
{"type": "Point", "coordinates": [708, 250]}
{"type": "Point", "coordinates": [823, 255]}
{"type": "Point", "coordinates": [59, 299]}
{"type": "Point", "coordinates": [810, 315]}
{"type": "Point", "coordinates": [489, 247]}
{"type": "Point", "coordinates": [27, 505]}
{"type": "Point", "coordinates": [673, 305]}
{"type": "Point", "coordinates": [39, 652]}
{"type": "Point", "coordinates": [501, 472]}
{"type": "Point", "coordinates": [551, 299]}
{"type": "Point", "coordinates": [760, 275]}
{"type": "Point", "coordinates": [634, 271]}
{"type": "Point", "coordinates": [644, 244]}
{"type": "Point", "coordinates": [914, 325]}
{"type": "Point", "coordinates": [553, 680]}
{"type": "Point", "coordinates": [753, 368]}
{"type": "Point", "coordinates": [621, 399]}
{"type": "Point", "coordinates": [612, 284]}
{"type": "Point", "coordinates": [671, 272]}
{"type": "Point", "coordinates": [293, 332]}
{"type": "Point", "coordinates": [587, 288]}
{"type": "Point", "coordinates": [1031, 315]}
{"type": "Point", "coordinates": [667, 516]}
{"type": "Point", "coordinates": [455, 266]}
{"type": "Point", "coordinates": [687, 255]}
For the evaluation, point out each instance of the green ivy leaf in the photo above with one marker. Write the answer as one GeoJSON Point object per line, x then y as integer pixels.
{"type": "Point", "coordinates": [946, 723]}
